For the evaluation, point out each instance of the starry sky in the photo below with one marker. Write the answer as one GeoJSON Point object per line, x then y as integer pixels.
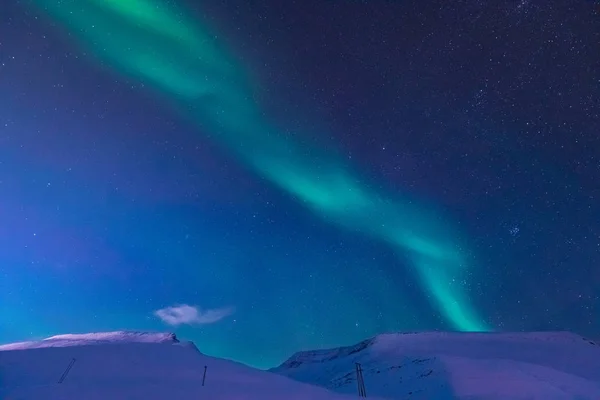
{"type": "Point", "coordinates": [264, 177]}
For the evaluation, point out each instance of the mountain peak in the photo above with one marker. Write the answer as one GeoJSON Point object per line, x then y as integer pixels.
{"type": "Point", "coordinates": [430, 365]}
{"type": "Point", "coordinates": [137, 365]}
{"type": "Point", "coordinates": [120, 336]}
{"type": "Point", "coordinates": [84, 339]}
{"type": "Point", "coordinates": [319, 356]}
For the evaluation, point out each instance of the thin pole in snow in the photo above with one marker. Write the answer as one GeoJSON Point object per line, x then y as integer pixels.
{"type": "Point", "coordinates": [64, 375]}
{"type": "Point", "coordinates": [204, 376]}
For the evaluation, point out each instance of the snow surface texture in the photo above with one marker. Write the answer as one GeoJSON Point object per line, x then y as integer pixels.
{"type": "Point", "coordinates": [136, 366]}
{"type": "Point", "coordinates": [436, 365]}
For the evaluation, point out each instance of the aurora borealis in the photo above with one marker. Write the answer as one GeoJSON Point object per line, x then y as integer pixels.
{"type": "Point", "coordinates": [171, 166]}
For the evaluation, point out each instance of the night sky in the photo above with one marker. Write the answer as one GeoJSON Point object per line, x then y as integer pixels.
{"type": "Point", "coordinates": [268, 176]}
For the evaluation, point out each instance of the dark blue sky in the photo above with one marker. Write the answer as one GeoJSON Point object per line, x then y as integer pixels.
{"type": "Point", "coordinates": [114, 206]}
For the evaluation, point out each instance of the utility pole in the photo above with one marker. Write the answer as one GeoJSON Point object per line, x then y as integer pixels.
{"type": "Point", "coordinates": [362, 392]}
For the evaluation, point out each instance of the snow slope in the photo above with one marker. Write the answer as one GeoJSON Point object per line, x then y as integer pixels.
{"type": "Point", "coordinates": [132, 366]}
{"type": "Point", "coordinates": [437, 365]}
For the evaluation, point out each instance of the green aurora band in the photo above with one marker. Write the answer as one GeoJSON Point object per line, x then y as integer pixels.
{"type": "Point", "coordinates": [159, 45]}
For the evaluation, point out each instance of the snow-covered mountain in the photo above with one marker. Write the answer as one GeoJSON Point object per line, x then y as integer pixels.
{"type": "Point", "coordinates": [436, 365]}
{"type": "Point", "coordinates": [69, 340]}
{"type": "Point", "coordinates": [136, 366]}
{"type": "Point", "coordinates": [155, 366]}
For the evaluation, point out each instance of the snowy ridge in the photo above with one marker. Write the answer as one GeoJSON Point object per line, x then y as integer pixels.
{"type": "Point", "coordinates": [121, 336]}
{"type": "Point", "coordinates": [319, 356]}
{"type": "Point", "coordinates": [447, 365]}
{"type": "Point", "coordinates": [94, 339]}
{"type": "Point", "coordinates": [136, 366]}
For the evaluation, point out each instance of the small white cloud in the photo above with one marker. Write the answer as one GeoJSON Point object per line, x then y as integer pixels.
{"type": "Point", "coordinates": [189, 315]}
